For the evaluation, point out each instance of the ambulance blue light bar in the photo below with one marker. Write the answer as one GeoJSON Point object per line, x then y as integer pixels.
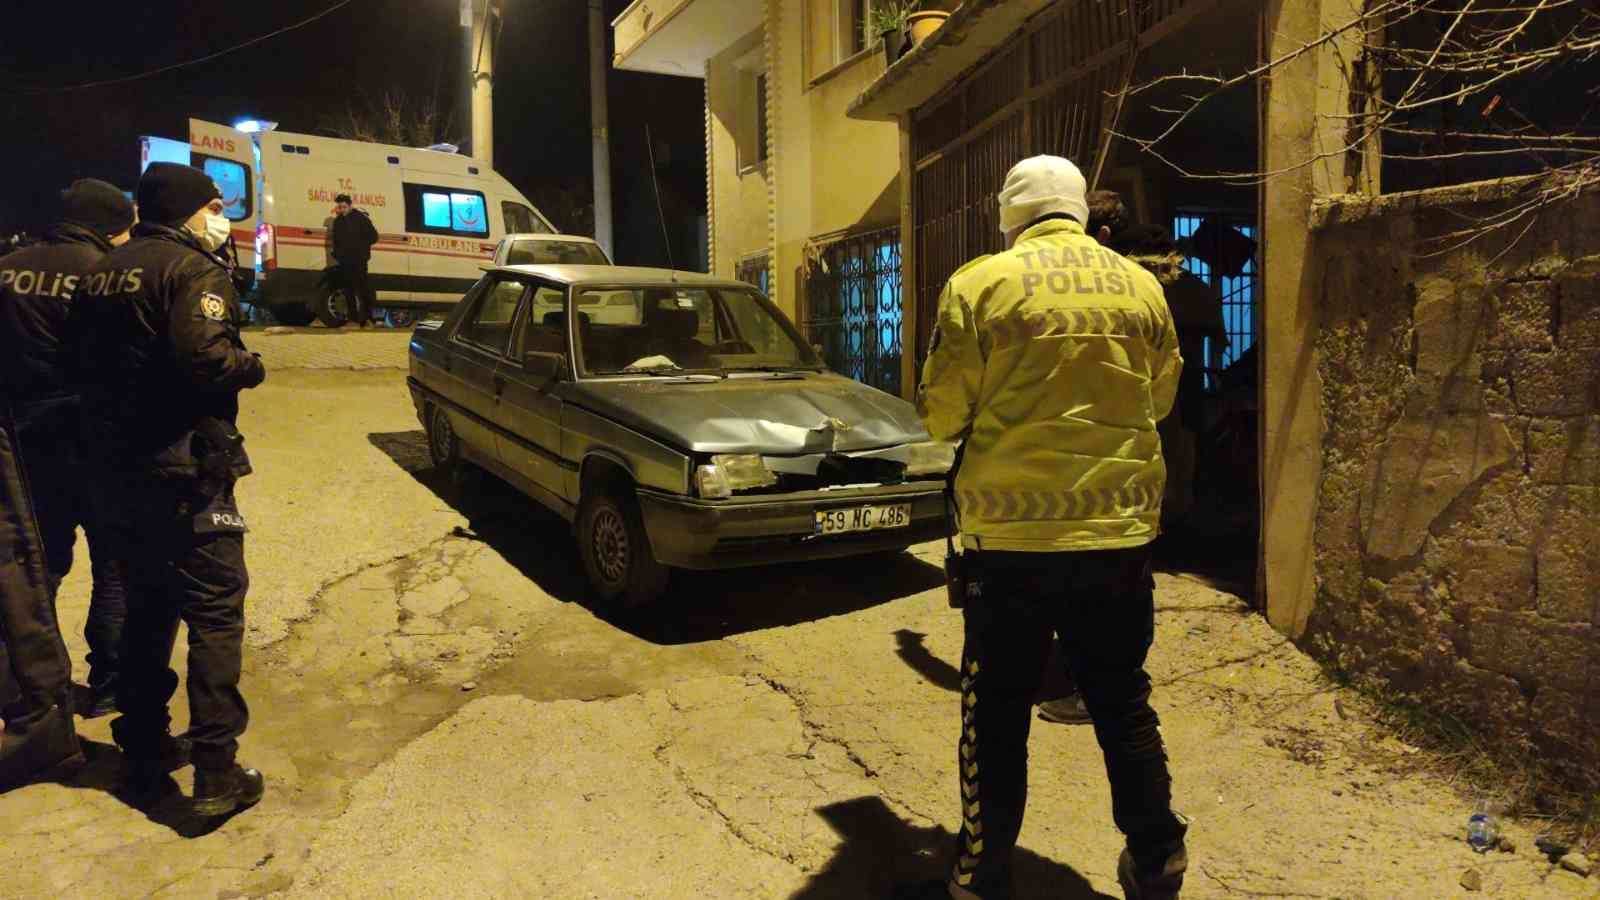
{"type": "Point", "coordinates": [254, 126]}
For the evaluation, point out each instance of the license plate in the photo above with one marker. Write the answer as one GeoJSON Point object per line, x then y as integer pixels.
{"type": "Point", "coordinates": [862, 518]}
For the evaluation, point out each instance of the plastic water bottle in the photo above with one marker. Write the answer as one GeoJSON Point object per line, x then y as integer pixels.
{"type": "Point", "coordinates": [1481, 833]}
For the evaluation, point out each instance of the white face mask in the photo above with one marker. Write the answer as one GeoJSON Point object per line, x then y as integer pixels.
{"type": "Point", "coordinates": [216, 234]}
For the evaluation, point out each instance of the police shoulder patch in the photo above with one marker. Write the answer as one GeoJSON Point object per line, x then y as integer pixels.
{"type": "Point", "coordinates": [213, 307]}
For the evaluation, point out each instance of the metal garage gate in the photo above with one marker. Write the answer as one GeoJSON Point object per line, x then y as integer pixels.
{"type": "Point", "coordinates": [1045, 91]}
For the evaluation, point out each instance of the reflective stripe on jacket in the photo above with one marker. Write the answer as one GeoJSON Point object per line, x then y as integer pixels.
{"type": "Point", "coordinates": [1054, 361]}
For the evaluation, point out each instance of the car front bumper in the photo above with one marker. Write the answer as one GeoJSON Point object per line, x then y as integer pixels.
{"type": "Point", "coordinates": [721, 534]}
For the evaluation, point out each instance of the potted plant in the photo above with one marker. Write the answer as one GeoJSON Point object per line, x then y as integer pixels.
{"type": "Point", "coordinates": [889, 23]}
{"type": "Point", "coordinates": [924, 23]}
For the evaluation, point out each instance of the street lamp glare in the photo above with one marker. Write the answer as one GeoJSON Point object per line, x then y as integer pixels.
{"type": "Point", "coordinates": [254, 126]}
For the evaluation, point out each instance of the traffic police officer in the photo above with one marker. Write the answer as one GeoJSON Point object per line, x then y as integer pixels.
{"type": "Point", "coordinates": [1053, 361]}
{"type": "Point", "coordinates": [36, 288]}
{"type": "Point", "coordinates": [157, 337]}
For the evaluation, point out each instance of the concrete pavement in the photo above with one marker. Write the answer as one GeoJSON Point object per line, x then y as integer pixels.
{"type": "Point", "coordinates": [439, 715]}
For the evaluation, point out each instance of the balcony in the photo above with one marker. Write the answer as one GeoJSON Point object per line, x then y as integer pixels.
{"type": "Point", "coordinates": [678, 37]}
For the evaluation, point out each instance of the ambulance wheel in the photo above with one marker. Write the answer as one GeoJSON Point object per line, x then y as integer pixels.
{"type": "Point", "coordinates": [400, 317]}
{"type": "Point", "coordinates": [333, 308]}
{"type": "Point", "coordinates": [295, 315]}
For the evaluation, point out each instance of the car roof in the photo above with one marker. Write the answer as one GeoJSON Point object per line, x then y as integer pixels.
{"type": "Point", "coordinates": [546, 236]}
{"type": "Point", "coordinates": [621, 276]}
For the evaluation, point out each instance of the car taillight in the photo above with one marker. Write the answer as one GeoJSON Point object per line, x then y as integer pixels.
{"type": "Point", "coordinates": [266, 247]}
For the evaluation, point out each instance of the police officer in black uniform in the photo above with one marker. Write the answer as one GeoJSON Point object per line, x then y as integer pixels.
{"type": "Point", "coordinates": [36, 288]}
{"type": "Point", "coordinates": [156, 333]}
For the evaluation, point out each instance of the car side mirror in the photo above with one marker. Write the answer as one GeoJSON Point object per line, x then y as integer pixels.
{"type": "Point", "coordinates": [545, 365]}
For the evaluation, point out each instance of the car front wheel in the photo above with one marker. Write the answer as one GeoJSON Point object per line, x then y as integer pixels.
{"type": "Point", "coordinates": [616, 552]}
{"type": "Point", "coordinates": [444, 448]}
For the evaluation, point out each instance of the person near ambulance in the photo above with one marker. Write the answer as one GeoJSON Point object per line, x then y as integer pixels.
{"type": "Point", "coordinates": [155, 334]}
{"type": "Point", "coordinates": [36, 289]}
{"type": "Point", "coordinates": [350, 237]}
{"type": "Point", "coordinates": [1052, 362]}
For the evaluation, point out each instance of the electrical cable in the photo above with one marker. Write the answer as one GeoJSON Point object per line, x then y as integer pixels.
{"type": "Point", "coordinates": [181, 65]}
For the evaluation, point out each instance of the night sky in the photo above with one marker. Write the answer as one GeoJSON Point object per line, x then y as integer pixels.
{"type": "Point", "coordinates": [300, 78]}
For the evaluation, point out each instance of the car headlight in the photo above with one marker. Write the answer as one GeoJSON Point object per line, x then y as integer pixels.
{"type": "Point", "coordinates": [930, 458]}
{"type": "Point", "coordinates": [733, 472]}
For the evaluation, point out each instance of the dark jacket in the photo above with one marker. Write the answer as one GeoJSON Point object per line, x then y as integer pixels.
{"type": "Point", "coordinates": [156, 347]}
{"type": "Point", "coordinates": [36, 288]}
{"type": "Point", "coordinates": [353, 237]}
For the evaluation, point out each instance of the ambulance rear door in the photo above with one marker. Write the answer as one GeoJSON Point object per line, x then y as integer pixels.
{"type": "Point", "coordinates": [229, 156]}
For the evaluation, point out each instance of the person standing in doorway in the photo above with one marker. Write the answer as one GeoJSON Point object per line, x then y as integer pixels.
{"type": "Point", "coordinates": [156, 339]}
{"type": "Point", "coordinates": [352, 237]}
{"type": "Point", "coordinates": [36, 290]}
{"type": "Point", "coordinates": [1052, 362]}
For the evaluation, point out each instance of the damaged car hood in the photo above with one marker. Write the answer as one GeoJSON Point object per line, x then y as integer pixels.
{"type": "Point", "coordinates": [813, 413]}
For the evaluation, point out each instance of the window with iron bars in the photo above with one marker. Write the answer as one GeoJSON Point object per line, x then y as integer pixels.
{"type": "Point", "coordinates": [1239, 293]}
{"type": "Point", "coordinates": [755, 270]}
{"type": "Point", "coordinates": [853, 308]}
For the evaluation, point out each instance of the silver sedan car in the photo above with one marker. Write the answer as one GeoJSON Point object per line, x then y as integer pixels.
{"type": "Point", "coordinates": [676, 420]}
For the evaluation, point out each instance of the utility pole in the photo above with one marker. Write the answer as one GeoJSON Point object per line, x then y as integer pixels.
{"type": "Point", "coordinates": [479, 27]}
{"type": "Point", "coordinates": [486, 31]}
{"type": "Point", "coordinates": [601, 130]}
{"type": "Point", "coordinates": [464, 101]}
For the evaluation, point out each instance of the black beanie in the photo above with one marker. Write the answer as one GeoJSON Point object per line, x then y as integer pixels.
{"type": "Point", "coordinates": [170, 193]}
{"type": "Point", "coordinates": [97, 206]}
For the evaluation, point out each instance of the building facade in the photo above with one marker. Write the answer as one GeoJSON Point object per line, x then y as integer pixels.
{"type": "Point", "coordinates": [1421, 430]}
{"type": "Point", "coordinates": [803, 200]}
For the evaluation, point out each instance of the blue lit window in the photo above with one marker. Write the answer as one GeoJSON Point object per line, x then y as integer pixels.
{"type": "Point", "coordinates": [436, 210]}
{"type": "Point", "coordinates": [1238, 292]}
{"type": "Point", "coordinates": [467, 213]}
{"type": "Point", "coordinates": [443, 210]}
{"type": "Point", "coordinates": [233, 180]}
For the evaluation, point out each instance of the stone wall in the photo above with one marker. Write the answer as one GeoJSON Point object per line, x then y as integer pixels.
{"type": "Point", "coordinates": [1458, 518]}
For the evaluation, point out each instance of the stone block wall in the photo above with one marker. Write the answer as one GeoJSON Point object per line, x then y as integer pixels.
{"type": "Point", "coordinates": [1458, 518]}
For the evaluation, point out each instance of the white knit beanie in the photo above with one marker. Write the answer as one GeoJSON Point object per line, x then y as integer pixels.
{"type": "Point", "coordinates": [1041, 186]}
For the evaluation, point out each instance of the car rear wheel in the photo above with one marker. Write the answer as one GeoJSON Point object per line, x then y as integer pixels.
{"type": "Point", "coordinates": [333, 308]}
{"type": "Point", "coordinates": [616, 552]}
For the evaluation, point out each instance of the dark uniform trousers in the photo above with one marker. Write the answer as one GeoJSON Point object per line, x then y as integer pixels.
{"type": "Point", "coordinates": [183, 546]}
{"type": "Point", "coordinates": [59, 477]}
{"type": "Point", "coordinates": [35, 672]}
{"type": "Point", "coordinates": [1101, 604]}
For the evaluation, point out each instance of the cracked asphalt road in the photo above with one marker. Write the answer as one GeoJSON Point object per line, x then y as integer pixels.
{"type": "Point", "coordinates": [785, 732]}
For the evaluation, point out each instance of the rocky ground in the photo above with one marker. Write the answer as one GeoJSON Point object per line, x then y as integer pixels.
{"type": "Point", "coordinates": [439, 714]}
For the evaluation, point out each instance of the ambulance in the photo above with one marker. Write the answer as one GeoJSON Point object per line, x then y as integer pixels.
{"type": "Point", "coordinates": [439, 215]}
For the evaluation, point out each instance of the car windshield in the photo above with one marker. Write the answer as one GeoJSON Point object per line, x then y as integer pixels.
{"type": "Point", "coordinates": [554, 253]}
{"type": "Point", "coordinates": [674, 330]}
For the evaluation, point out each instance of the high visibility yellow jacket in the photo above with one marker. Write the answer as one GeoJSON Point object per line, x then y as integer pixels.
{"type": "Point", "coordinates": [1054, 361]}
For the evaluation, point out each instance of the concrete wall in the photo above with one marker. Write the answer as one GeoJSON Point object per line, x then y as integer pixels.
{"type": "Point", "coordinates": [1457, 522]}
{"type": "Point", "coordinates": [737, 195]}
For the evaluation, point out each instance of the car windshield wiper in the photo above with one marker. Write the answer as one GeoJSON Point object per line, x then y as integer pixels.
{"type": "Point", "coordinates": [669, 372]}
{"type": "Point", "coordinates": [795, 369]}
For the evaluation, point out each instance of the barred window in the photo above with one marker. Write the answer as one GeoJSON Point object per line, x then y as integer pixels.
{"type": "Point", "coordinates": [853, 308]}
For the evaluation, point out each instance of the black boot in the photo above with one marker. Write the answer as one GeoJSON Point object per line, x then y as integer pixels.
{"type": "Point", "coordinates": [47, 750]}
{"type": "Point", "coordinates": [218, 792]}
{"type": "Point", "coordinates": [1162, 883]}
{"type": "Point", "coordinates": [170, 754]}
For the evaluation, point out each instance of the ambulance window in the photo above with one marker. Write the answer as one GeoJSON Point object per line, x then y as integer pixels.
{"type": "Point", "coordinates": [436, 210]}
{"type": "Point", "coordinates": [233, 180]}
{"type": "Point", "coordinates": [442, 210]}
{"type": "Point", "coordinates": [520, 219]}
{"type": "Point", "coordinates": [467, 214]}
